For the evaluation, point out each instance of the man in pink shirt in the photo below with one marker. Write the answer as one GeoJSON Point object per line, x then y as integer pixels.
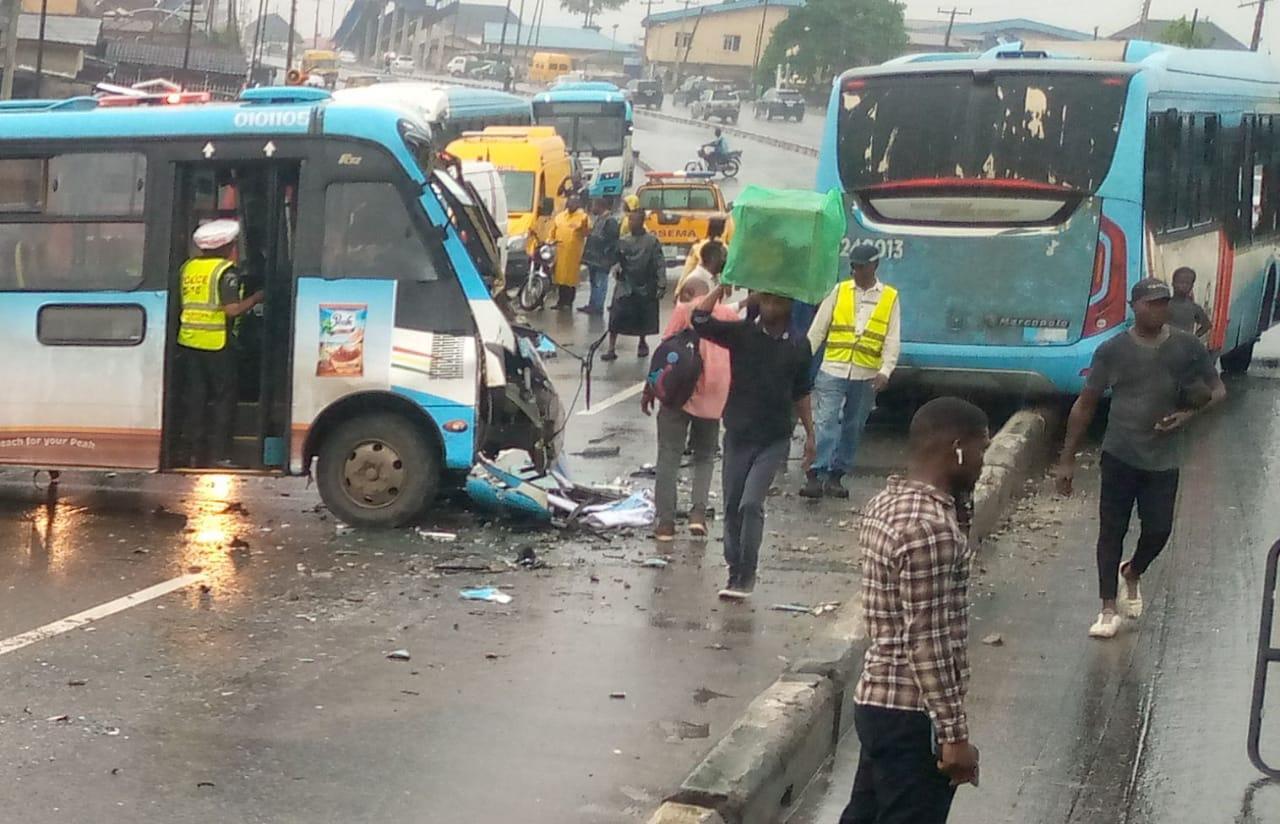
{"type": "Point", "coordinates": [697, 423]}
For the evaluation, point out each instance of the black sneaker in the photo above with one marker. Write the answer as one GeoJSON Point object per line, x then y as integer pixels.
{"type": "Point", "coordinates": [609, 357]}
{"type": "Point", "coordinates": [834, 489]}
{"type": "Point", "coordinates": [812, 486]}
{"type": "Point", "coordinates": [642, 351]}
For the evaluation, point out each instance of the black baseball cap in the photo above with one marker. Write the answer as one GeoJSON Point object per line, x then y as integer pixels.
{"type": "Point", "coordinates": [864, 254]}
{"type": "Point", "coordinates": [1150, 289]}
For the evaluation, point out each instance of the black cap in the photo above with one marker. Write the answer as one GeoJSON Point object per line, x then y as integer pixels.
{"type": "Point", "coordinates": [1150, 289]}
{"type": "Point", "coordinates": [863, 254]}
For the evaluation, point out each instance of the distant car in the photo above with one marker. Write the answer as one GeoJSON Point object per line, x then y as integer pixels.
{"type": "Point", "coordinates": [689, 91]}
{"type": "Point", "coordinates": [721, 104]}
{"type": "Point", "coordinates": [402, 63]}
{"type": "Point", "coordinates": [347, 57]}
{"type": "Point", "coordinates": [785, 103]}
{"type": "Point", "coordinates": [645, 93]}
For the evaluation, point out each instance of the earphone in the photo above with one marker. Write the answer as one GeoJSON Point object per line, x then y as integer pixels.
{"type": "Point", "coordinates": [959, 456]}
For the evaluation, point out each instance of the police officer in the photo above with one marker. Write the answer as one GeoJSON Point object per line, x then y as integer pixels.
{"type": "Point", "coordinates": [211, 301]}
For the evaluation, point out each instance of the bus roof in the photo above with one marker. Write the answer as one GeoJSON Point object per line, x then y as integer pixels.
{"type": "Point", "coordinates": [581, 93]}
{"type": "Point", "coordinates": [259, 112]}
{"type": "Point", "coordinates": [435, 101]}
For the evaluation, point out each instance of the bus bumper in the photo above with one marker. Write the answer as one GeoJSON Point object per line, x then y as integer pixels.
{"type": "Point", "coordinates": [1015, 370]}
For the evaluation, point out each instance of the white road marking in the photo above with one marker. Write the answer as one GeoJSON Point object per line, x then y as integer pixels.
{"type": "Point", "coordinates": [614, 400]}
{"type": "Point", "coordinates": [97, 613]}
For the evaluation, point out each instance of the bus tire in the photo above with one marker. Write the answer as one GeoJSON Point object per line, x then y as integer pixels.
{"type": "Point", "coordinates": [377, 470]}
{"type": "Point", "coordinates": [1236, 362]}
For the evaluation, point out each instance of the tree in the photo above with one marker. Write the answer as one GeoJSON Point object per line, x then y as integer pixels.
{"type": "Point", "coordinates": [1180, 33]}
{"type": "Point", "coordinates": [822, 38]}
{"type": "Point", "coordinates": [590, 8]}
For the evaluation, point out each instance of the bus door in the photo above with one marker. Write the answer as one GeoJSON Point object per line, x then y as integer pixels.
{"type": "Point", "coordinates": [83, 307]}
{"type": "Point", "coordinates": [262, 195]}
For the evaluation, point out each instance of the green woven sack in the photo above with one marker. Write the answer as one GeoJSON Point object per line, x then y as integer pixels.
{"type": "Point", "coordinates": [786, 242]}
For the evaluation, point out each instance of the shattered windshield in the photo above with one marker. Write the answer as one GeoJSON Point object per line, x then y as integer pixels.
{"type": "Point", "coordinates": [1054, 128]}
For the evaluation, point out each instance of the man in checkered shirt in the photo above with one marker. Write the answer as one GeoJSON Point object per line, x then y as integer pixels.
{"type": "Point", "coordinates": [909, 702]}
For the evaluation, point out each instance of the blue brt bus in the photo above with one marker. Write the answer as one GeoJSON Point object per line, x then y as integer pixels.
{"type": "Point", "coordinates": [378, 356]}
{"type": "Point", "coordinates": [1016, 196]}
{"type": "Point", "coordinates": [595, 121]}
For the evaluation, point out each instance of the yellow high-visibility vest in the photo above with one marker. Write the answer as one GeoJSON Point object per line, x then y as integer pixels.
{"type": "Point", "coordinates": [844, 344]}
{"type": "Point", "coordinates": [204, 322]}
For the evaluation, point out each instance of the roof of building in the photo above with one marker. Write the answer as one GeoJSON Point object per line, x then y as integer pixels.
{"type": "Point", "coordinates": [474, 17]}
{"type": "Point", "coordinates": [980, 30]}
{"type": "Point", "coordinates": [1213, 35]}
{"type": "Point", "coordinates": [568, 38]}
{"type": "Point", "coordinates": [216, 61]}
{"type": "Point", "coordinates": [73, 31]}
{"type": "Point", "coordinates": [717, 8]}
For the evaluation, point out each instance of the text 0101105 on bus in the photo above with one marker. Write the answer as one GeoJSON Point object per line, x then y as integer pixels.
{"type": "Point", "coordinates": [595, 120]}
{"type": "Point", "coordinates": [1017, 197]}
{"type": "Point", "coordinates": [377, 351]}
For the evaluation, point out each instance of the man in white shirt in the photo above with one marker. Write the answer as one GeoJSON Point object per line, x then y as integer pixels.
{"type": "Point", "coordinates": [860, 325]}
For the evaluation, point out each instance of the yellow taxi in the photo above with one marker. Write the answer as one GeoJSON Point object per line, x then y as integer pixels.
{"type": "Point", "coordinates": [679, 207]}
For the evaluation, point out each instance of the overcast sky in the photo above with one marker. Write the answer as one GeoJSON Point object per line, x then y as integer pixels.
{"type": "Point", "coordinates": [1082, 15]}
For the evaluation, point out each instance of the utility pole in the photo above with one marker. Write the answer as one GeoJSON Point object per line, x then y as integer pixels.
{"type": "Point", "coordinates": [648, 12]}
{"type": "Point", "coordinates": [1195, 18]}
{"type": "Point", "coordinates": [191, 23]}
{"type": "Point", "coordinates": [10, 50]}
{"type": "Point", "coordinates": [755, 61]}
{"type": "Point", "coordinates": [515, 52]}
{"type": "Point", "coordinates": [293, 27]}
{"type": "Point", "coordinates": [502, 41]}
{"type": "Point", "coordinates": [951, 23]}
{"type": "Point", "coordinates": [1142, 19]}
{"type": "Point", "coordinates": [1257, 22]}
{"type": "Point", "coordinates": [315, 37]}
{"type": "Point", "coordinates": [44, 14]}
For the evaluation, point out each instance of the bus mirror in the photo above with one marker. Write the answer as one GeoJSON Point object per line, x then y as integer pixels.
{"type": "Point", "coordinates": [547, 206]}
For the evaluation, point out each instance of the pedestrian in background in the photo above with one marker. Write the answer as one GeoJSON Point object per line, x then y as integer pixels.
{"type": "Point", "coordinates": [1184, 312]}
{"type": "Point", "coordinates": [768, 385]}
{"type": "Point", "coordinates": [696, 425]}
{"type": "Point", "coordinates": [1159, 378]}
{"type": "Point", "coordinates": [860, 324]}
{"type": "Point", "coordinates": [569, 234]}
{"type": "Point", "coordinates": [711, 259]}
{"type": "Point", "coordinates": [909, 703]}
{"type": "Point", "coordinates": [600, 255]}
{"type": "Point", "coordinates": [642, 280]}
{"type": "Point", "coordinates": [715, 233]}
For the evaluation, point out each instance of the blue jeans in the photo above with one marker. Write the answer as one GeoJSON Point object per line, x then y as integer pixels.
{"type": "Point", "coordinates": [599, 276]}
{"type": "Point", "coordinates": [841, 410]}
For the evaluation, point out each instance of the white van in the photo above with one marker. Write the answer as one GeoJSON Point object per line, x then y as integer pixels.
{"type": "Point", "coordinates": [488, 182]}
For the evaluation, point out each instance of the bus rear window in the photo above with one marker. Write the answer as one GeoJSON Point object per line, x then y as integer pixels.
{"type": "Point", "coordinates": [1057, 129]}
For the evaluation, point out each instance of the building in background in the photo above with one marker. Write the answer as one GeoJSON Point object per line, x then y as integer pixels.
{"type": "Point", "coordinates": [720, 40]}
{"type": "Point", "coordinates": [275, 35]}
{"type": "Point", "coordinates": [214, 69]}
{"type": "Point", "coordinates": [430, 35]}
{"type": "Point", "coordinates": [588, 48]}
{"type": "Point", "coordinates": [1209, 34]}
{"type": "Point", "coordinates": [66, 59]}
{"type": "Point", "coordinates": [931, 35]}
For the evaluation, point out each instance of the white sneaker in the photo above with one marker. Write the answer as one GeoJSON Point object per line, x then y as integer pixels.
{"type": "Point", "coordinates": [1129, 596]}
{"type": "Point", "coordinates": [1107, 625]}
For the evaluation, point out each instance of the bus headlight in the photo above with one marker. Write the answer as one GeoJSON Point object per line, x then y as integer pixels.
{"type": "Point", "coordinates": [610, 175]}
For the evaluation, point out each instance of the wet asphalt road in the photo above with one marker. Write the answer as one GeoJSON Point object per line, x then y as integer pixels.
{"type": "Point", "coordinates": [261, 691]}
{"type": "Point", "coordinates": [1148, 728]}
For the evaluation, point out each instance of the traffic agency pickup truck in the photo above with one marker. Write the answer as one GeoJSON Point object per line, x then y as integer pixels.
{"type": "Point", "coordinates": [679, 206]}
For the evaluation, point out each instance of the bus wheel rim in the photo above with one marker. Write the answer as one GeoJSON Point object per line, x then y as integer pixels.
{"type": "Point", "coordinates": [373, 474]}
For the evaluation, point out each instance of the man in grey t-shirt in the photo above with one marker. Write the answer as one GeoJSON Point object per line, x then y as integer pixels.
{"type": "Point", "coordinates": [1159, 378]}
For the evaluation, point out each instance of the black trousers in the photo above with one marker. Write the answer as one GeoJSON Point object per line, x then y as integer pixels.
{"type": "Point", "coordinates": [1122, 486]}
{"type": "Point", "coordinates": [898, 781]}
{"type": "Point", "coordinates": [208, 386]}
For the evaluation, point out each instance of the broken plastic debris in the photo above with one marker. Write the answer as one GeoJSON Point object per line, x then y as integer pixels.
{"type": "Point", "coordinates": [399, 655]}
{"type": "Point", "coordinates": [443, 537]}
{"type": "Point", "coordinates": [655, 563]}
{"type": "Point", "coordinates": [995, 639]}
{"type": "Point", "coordinates": [791, 608]}
{"type": "Point", "coordinates": [617, 695]}
{"type": "Point", "coordinates": [491, 594]}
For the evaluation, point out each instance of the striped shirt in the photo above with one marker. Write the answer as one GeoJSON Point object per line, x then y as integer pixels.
{"type": "Point", "coordinates": [915, 599]}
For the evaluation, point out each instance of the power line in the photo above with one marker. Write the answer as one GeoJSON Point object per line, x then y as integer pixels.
{"type": "Point", "coordinates": [951, 23]}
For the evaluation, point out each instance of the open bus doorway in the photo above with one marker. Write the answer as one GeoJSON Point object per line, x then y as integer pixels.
{"type": "Point", "coordinates": [262, 197]}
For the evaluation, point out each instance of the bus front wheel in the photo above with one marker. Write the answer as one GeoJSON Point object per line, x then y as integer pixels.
{"type": "Point", "coordinates": [377, 470]}
{"type": "Point", "coordinates": [1236, 362]}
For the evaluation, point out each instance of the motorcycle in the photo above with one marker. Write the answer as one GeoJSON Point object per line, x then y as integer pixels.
{"type": "Point", "coordinates": [531, 294]}
{"type": "Point", "coordinates": [707, 161]}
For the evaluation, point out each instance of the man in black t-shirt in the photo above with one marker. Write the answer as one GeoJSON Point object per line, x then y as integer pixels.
{"type": "Point", "coordinates": [1160, 378]}
{"type": "Point", "coordinates": [769, 383]}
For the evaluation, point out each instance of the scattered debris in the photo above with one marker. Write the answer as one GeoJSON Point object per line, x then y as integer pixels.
{"type": "Point", "coordinates": [234, 508]}
{"type": "Point", "coordinates": [618, 695]}
{"type": "Point", "coordinates": [491, 594]}
{"type": "Point", "coordinates": [340, 528]}
{"type": "Point", "coordinates": [791, 608]}
{"type": "Point", "coordinates": [683, 730]}
{"type": "Point", "coordinates": [702, 695]}
{"type": "Point", "coordinates": [442, 537]}
{"type": "Point", "coordinates": [59, 718]}
{"type": "Point", "coordinates": [205, 784]}
{"type": "Point", "coordinates": [493, 656]}
{"type": "Point", "coordinates": [238, 543]}
{"type": "Point", "coordinates": [77, 682]}
{"type": "Point", "coordinates": [655, 563]}
{"type": "Point", "coordinates": [829, 606]}
{"type": "Point", "coordinates": [527, 557]}
{"type": "Point", "coordinates": [463, 566]}
{"type": "Point", "coordinates": [399, 655]}
{"type": "Point", "coordinates": [410, 692]}
{"type": "Point", "coordinates": [995, 639]}
{"type": "Point", "coordinates": [599, 452]}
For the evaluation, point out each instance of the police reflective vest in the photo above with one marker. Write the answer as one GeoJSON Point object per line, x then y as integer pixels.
{"type": "Point", "coordinates": [844, 344]}
{"type": "Point", "coordinates": [204, 322]}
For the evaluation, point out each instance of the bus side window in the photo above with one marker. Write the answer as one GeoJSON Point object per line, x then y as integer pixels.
{"type": "Point", "coordinates": [368, 234]}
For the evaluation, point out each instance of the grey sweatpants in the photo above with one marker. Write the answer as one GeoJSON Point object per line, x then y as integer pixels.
{"type": "Point", "coordinates": [676, 428]}
{"type": "Point", "coordinates": [747, 473]}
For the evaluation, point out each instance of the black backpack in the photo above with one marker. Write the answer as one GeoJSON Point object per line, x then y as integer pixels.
{"type": "Point", "coordinates": [675, 368]}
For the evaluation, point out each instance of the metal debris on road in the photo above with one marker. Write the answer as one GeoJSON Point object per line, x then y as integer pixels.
{"type": "Point", "coordinates": [59, 718]}
{"type": "Point", "coordinates": [702, 695]}
{"type": "Point", "coordinates": [791, 608]}
{"type": "Point", "coordinates": [683, 730]}
{"type": "Point", "coordinates": [432, 535]}
{"type": "Point", "coordinates": [76, 682]}
{"type": "Point", "coordinates": [592, 452]}
{"type": "Point", "coordinates": [466, 565]}
{"type": "Point", "coordinates": [654, 563]}
{"type": "Point", "coordinates": [995, 639]}
{"type": "Point", "coordinates": [617, 695]}
{"type": "Point", "coordinates": [491, 594]}
{"type": "Point", "coordinates": [399, 655]}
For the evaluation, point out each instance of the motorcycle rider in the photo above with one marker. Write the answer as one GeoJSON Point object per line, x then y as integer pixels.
{"type": "Point", "coordinates": [717, 151]}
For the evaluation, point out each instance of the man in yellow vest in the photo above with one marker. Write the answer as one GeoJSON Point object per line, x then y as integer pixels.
{"type": "Point", "coordinates": [859, 323]}
{"type": "Point", "coordinates": [211, 301]}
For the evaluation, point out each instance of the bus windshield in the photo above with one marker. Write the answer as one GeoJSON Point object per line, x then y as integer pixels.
{"type": "Point", "coordinates": [598, 128]}
{"type": "Point", "coordinates": [1056, 129]}
{"type": "Point", "coordinates": [519, 188]}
